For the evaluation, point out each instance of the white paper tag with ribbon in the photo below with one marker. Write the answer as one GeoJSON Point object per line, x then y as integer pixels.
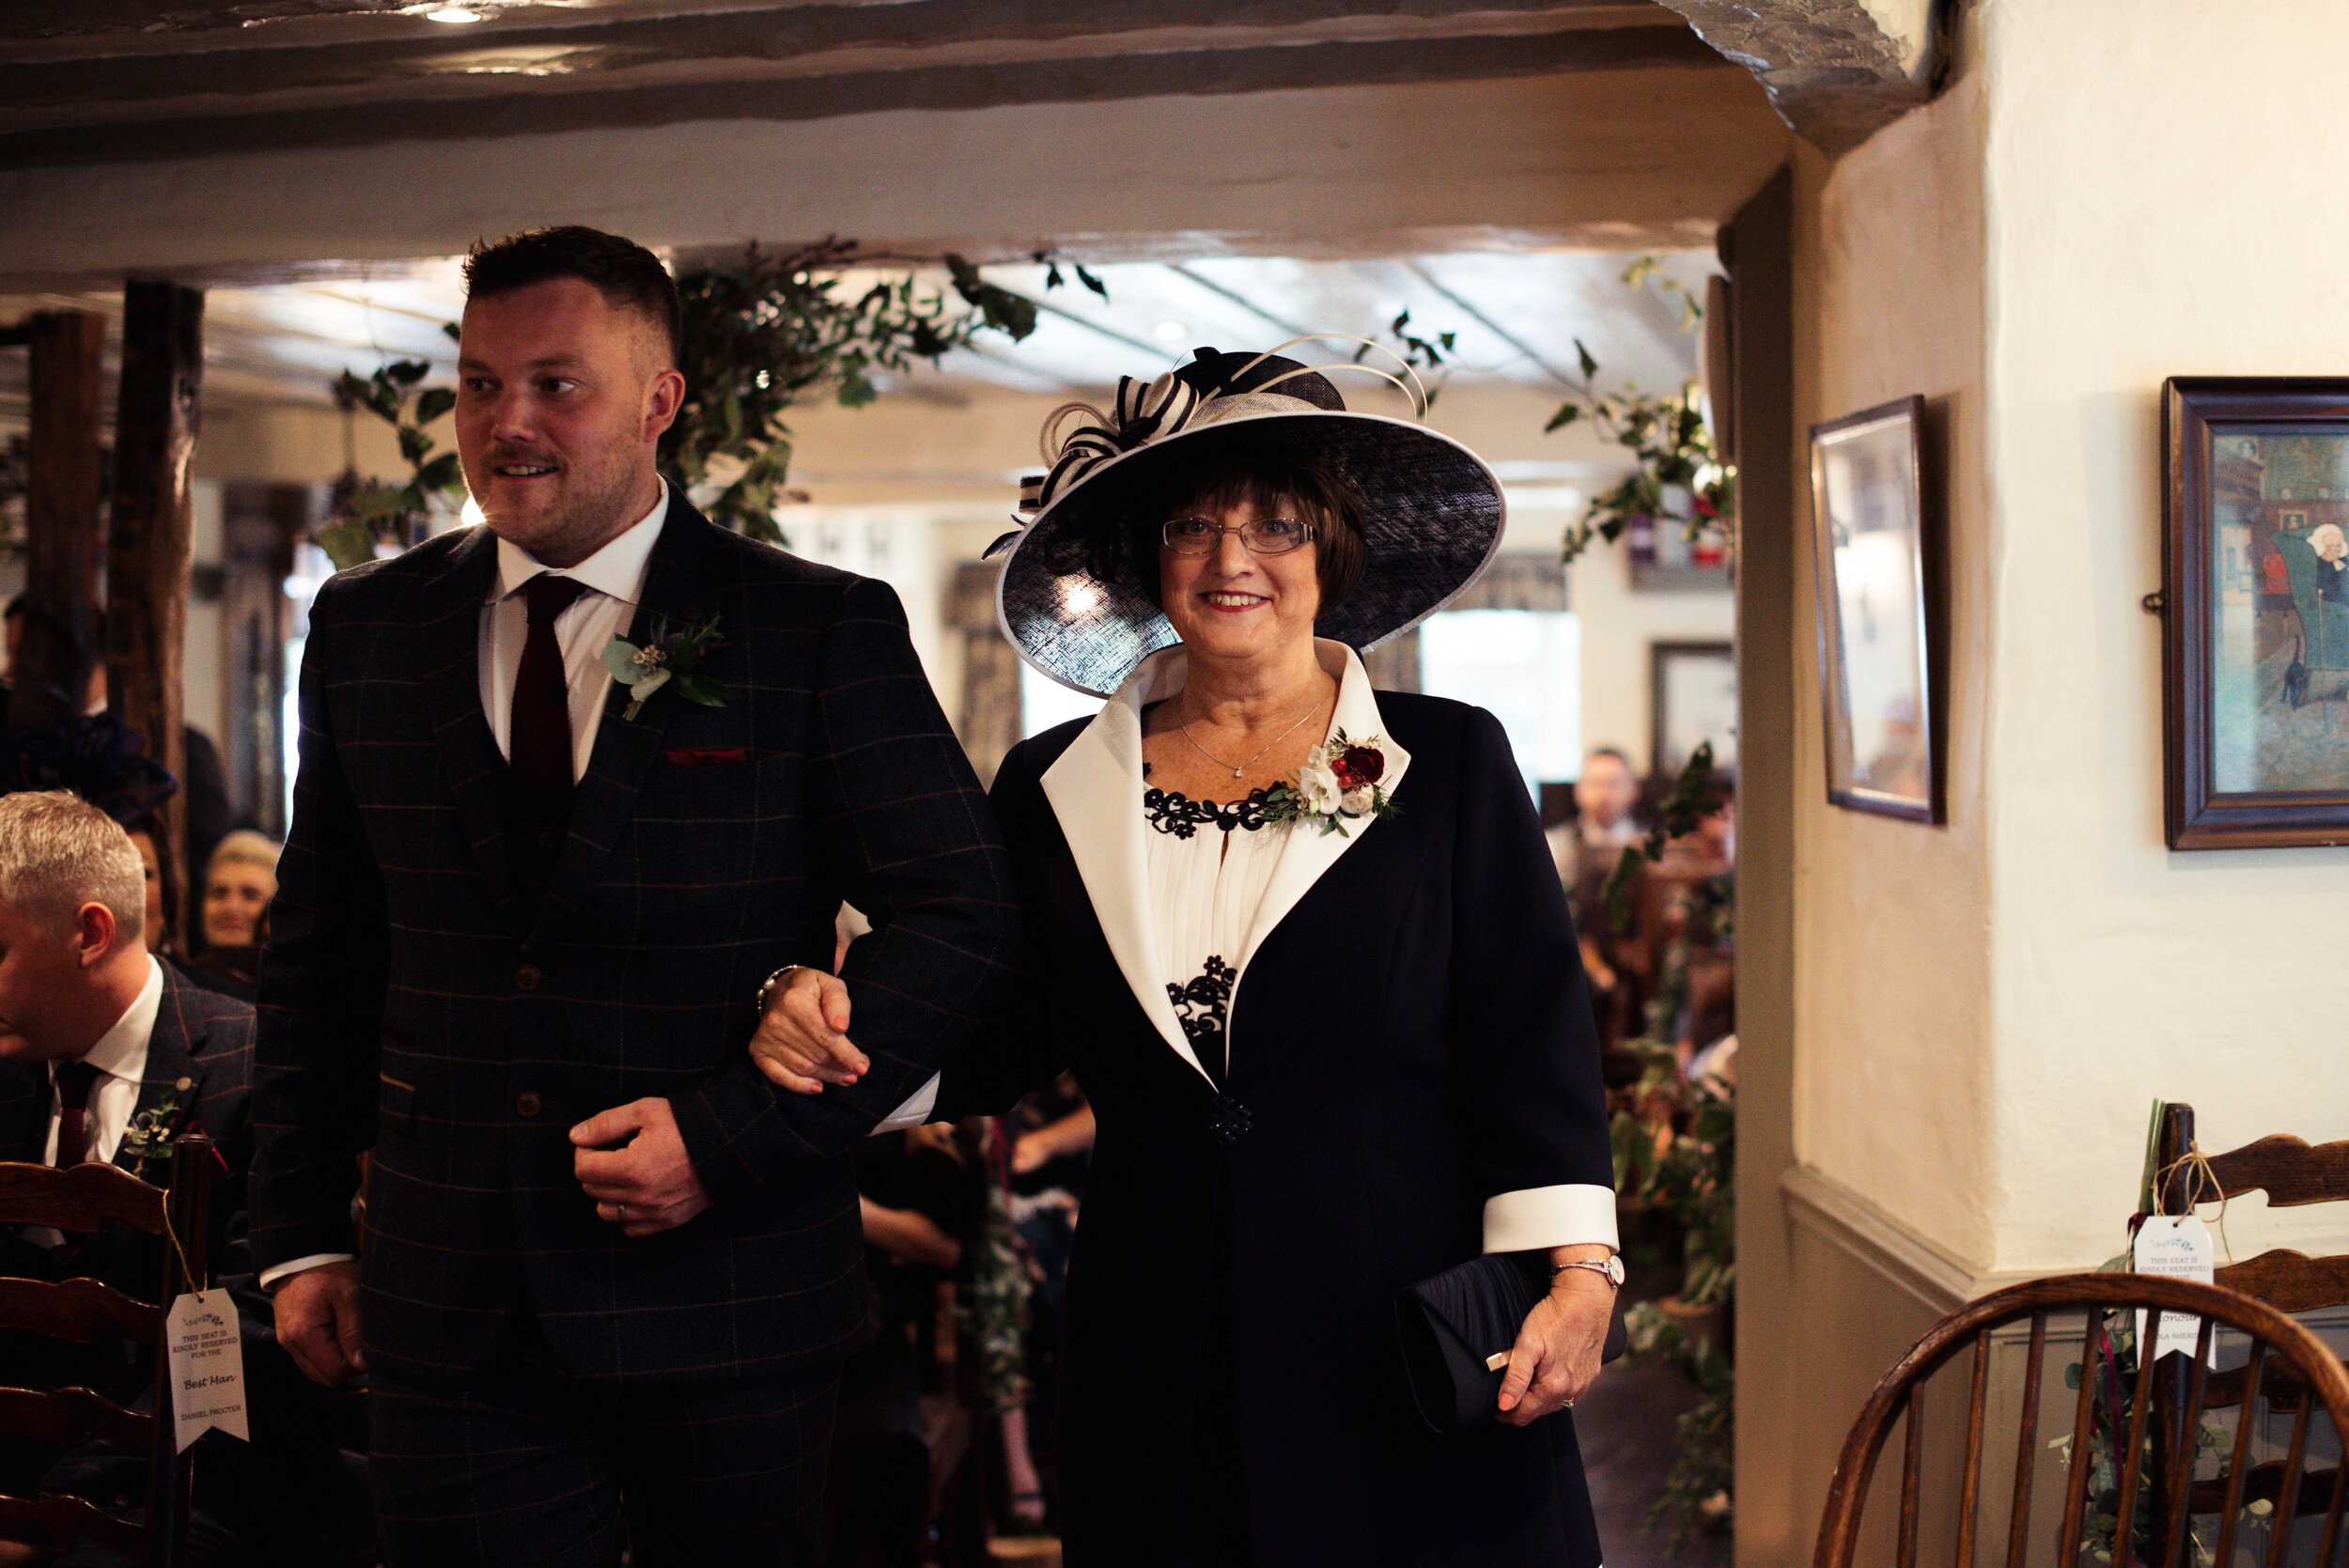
{"type": "Point", "coordinates": [207, 1367]}
{"type": "Point", "coordinates": [2174, 1246]}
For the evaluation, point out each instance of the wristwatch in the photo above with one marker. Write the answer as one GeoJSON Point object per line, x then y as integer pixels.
{"type": "Point", "coordinates": [1609, 1268]}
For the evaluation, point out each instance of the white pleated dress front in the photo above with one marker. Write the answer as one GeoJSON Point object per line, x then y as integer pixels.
{"type": "Point", "coordinates": [1209, 866]}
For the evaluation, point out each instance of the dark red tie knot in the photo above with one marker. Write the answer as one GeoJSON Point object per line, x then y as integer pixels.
{"type": "Point", "coordinates": [549, 595]}
{"type": "Point", "coordinates": [76, 1079]}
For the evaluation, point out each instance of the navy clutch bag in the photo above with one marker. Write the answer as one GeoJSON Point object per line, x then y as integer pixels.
{"type": "Point", "coordinates": [1452, 1324]}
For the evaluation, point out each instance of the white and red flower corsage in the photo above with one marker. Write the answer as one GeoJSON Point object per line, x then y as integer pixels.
{"type": "Point", "coordinates": [1338, 783]}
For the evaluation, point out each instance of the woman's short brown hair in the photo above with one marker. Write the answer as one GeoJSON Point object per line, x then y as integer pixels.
{"type": "Point", "coordinates": [1274, 479]}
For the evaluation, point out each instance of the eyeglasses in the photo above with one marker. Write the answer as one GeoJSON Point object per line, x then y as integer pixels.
{"type": "Point", "coordinates": [1262, 535]}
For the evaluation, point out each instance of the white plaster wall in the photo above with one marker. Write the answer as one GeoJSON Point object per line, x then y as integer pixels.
{"type": "Point", "coordinates": [2160, 202]}
{"type": "Point", "coordinates": [1891, 999]}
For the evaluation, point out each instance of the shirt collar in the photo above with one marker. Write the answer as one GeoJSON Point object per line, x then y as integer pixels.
{"type": "Point", "coordinates": [121, 1051]}
{"type": "Point", "coordinates": [617, 570]}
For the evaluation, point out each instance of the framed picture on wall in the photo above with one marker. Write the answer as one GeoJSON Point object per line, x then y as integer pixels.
{"type": "Point", "coordinates": [2255, 612]}
{"type": "Point", "coordinates": [1692, 698]}
{"type": "Point", "coordinates": [1878, 621]}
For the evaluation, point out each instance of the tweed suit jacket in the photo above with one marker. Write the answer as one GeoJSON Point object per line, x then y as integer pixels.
{"type": "Point", "coordinates": [409, 1002]}
{"type": "Point", "coordinates": [202, 1040]}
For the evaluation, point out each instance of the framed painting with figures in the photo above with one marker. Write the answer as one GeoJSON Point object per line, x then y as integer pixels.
{"type": "Point", "coordinates": [2255, 612]}
{"type": "Point", "coordinates": [1878, 625]}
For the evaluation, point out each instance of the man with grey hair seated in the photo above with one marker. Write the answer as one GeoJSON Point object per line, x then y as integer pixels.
{"type": "Point", "coordinates": [105, 1054]}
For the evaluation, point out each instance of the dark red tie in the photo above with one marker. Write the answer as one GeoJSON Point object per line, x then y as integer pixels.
{"type": "Point", "coordinates": [74, 1081]}
{"type": "Point", "coordinates": [539, 741]}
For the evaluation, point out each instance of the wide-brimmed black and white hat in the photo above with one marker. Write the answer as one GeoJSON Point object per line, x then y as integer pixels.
{"type": "Point", "coordinates": [1431, 510]}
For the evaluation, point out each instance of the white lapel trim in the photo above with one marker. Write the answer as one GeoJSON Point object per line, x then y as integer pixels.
{"type": "Point", "coordinates": [1096, 791]}
{"type": "Point", "coordinates": [1309, 851]}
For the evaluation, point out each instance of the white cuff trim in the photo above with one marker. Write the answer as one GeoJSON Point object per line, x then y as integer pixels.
{"type": "Point", "coordinates": [271, 1278]}
{"type": "Point", "coordinates": [1535, 1217]}
{"type": "Point", "coordinates": [913, 1113]}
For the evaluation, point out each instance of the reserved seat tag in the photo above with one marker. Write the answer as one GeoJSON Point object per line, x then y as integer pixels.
{"type": "Point", "coordinates": [2174, 1246]}
{"type": "Point", "coordinates": [207, 1356]}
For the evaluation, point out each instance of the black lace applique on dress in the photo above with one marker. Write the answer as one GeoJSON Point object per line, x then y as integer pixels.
{"type": "Point", "coordinates": [1171, 811]}
{"type": "Point", "coordinates": [1200, 1005]}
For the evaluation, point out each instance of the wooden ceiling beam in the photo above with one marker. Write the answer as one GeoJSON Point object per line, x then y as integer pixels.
{"type": "Point", "coordinates": [1186, 73]}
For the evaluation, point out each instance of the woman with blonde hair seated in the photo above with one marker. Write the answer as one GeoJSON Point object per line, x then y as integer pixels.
{"type": "Point", "coordinates": [233, 918]}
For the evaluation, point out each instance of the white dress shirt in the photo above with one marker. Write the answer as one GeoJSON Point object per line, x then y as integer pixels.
{"type": "Point", "coordinates": [615, 580]}
{"type": "Point", "coordinates": [121, 1057]}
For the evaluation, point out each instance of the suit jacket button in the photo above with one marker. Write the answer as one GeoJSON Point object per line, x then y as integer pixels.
{"type": "Point", "coordinates": [526, 1103]}
{"type": "Point", "coordinates": [527, 977]}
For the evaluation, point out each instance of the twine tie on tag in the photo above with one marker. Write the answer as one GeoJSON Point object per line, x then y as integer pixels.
{"type": "Point", "coordinates": [2204, 1177]}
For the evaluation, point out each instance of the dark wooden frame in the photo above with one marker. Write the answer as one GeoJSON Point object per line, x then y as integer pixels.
{"type": "Point", "coordinates": [2195, 816]}
{"type": "Point", "coordinates": [1658, 654]}
{"type": "Point", "coordinates": [1931, 630]}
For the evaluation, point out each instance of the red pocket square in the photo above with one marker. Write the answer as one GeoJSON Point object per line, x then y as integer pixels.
{"type": "Point", "coordinates": [705, 756]}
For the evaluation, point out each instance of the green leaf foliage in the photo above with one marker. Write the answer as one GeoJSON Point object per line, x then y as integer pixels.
{"type": "Point", "coordinates": [765, 332]}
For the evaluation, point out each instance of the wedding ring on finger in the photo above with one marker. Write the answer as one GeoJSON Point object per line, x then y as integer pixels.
{"type": "Point", "coordinates": [621, 1210]}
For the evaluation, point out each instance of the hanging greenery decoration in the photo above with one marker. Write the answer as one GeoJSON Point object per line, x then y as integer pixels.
{"type": "Point", "coordinates": [368, 514]}
{"type": "Point", "coordinates": [1680, 475]}
{"type": "Point", "coordinates": [770, 331]}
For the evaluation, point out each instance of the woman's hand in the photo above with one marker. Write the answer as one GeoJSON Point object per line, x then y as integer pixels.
{"type": "Point", "coordinates": [802, 1043]}
{"type": "Point", "coordinates": [1556, 1357]}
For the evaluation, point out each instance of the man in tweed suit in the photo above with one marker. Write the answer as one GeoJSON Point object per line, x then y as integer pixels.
{"type": "Point", "coordinates": [608, 1274]}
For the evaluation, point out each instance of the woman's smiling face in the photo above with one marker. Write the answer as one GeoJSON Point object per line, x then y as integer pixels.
{"type": "Point", "coordinates": [1233, 605]}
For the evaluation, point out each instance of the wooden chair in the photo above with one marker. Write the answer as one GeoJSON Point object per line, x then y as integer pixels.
{"type": "Point", "coordinates": [82, 1199]}
{"type": "Point", "coordinates": [2276, 1342]}
{"type": "Point", "coordinates": [2293, 1174]}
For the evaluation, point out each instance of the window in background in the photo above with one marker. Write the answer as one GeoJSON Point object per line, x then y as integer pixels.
{"type": "Point", "coordinates": [1525, 666]}
{"type": "Point", "coordinates": [1045, 701]}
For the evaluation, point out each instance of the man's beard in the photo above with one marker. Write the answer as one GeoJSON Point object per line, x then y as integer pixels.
{"type": "Point", "coordinates": [591, 507]}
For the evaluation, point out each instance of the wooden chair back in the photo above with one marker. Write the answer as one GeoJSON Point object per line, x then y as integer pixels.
{"type": "Point", "coordinates": [78, 1199]}
{"type": "Point", "coordinates": [2168, 1486]}
{"type": "Point", "coordinates": [2291, 1173]}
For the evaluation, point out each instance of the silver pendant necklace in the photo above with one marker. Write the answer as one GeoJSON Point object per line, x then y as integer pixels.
{"type": "Point", "coordinates": [1241, 770]}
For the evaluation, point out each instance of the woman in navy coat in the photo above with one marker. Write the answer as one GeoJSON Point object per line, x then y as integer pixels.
{"type": "Point", "coordinates": [1304, 946]}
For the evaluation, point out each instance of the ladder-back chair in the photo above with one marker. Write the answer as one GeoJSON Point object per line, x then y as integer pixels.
{"type": "Point", "coordinates": [2292, 1172]}
{"type": "Point", "coordinates": [2279, 1346]}
{"type": "Point", "coordinates": [82, 1199]}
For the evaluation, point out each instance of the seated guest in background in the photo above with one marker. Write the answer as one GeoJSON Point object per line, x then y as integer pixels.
{"type": "Point", "coordinates": [203, 778]}
{"type": "Point", "coordinates": [233, 919]}
{"type": "Point", "coordinates": [97, 1038]}
{"type": "Point", "coordinates": [1051, 1134]}
{"type": "Point", "coordinates": [922, 1196]}
{"type": "Point", "coordinates": [163, 888]}
{"type": "Point", "coordinates": [1587, 850]}
{"type": "Point", "coordinates": [107, 1054]}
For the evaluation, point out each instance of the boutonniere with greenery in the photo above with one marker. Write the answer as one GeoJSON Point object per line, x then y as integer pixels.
{"type": "Point", "coordinates": [1338, 783]}
{"type": "Point", "coordinates": [673, 658]}
{"type": "Point", "coordinates": [152, 1132]}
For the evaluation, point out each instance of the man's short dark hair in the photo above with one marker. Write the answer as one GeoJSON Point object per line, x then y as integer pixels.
{"type": "Point", "coordinates": [629, 276]}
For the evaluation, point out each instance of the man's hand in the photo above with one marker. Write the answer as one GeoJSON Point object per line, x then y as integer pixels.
{"type": "Point", "coordinates": [802, 1044]}
{"type": "Point", "coordinates": [632, 1162]}
{"type": "Point", "coordinates": [317, 1321]}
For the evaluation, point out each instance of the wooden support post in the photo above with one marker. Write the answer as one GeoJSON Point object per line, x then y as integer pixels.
{"type": "Point", "coordinates": [63, 490]}
{"type": "Point", "coordinates": [150, 547]}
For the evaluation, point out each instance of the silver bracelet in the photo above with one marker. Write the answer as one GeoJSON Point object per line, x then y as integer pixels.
{"type": "Point", "coordinates": [1609, 1268]}
{"type": "Point", "coordinates": [766, 987]}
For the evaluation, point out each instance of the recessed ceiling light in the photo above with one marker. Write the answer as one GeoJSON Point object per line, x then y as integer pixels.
{"type": "Point", "coordinates": [1169, 332]}
{"type": "Point", "coordinates": [452, 14]}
